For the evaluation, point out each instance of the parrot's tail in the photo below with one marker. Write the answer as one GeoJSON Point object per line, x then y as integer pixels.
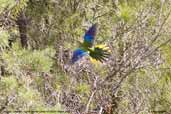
{"type": "Point", "coordinates": [100, 53]}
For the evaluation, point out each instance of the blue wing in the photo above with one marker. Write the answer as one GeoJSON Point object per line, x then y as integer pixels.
{"type": "Point", "coordinates": [77, 54]}
{"type": "Point", "coordinates": [90, 36]}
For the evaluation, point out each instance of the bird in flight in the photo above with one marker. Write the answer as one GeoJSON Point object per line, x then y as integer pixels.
{"type": "Point", "coordinates": [98, 52]}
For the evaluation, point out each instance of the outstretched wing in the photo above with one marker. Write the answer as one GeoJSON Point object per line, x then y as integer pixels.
{"type": "Point", "coordinates": [78, 54]}
{"type": "Point", "coordinates": [90, 36]}
{"type": "Point", "coordinates": [99, 54]}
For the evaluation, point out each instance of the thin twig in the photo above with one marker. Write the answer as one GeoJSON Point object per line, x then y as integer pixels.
{"type": "Point", "coordinates": [100, 111]}
{"type": "Point", "coordinates": [89, 101]}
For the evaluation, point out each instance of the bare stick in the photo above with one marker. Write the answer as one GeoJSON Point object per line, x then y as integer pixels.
{"type": "Point", "coordinates": [89, 101]}
{"type": "Point", "coordinates": [101, 109]}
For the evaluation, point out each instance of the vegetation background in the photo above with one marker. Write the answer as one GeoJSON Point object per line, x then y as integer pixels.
{"type": "Point", "coordinates": [37, 38]}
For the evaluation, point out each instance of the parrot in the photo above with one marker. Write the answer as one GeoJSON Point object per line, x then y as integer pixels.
{"type": "Point", "coordinates": [87, 48]}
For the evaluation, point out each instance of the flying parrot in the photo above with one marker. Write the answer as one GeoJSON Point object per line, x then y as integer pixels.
{"type": "Point", "coordinates": [99, 53]}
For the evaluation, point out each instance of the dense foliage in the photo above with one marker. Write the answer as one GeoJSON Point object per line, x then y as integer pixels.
{"type": "Point", "coordinates": [37, 38]}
